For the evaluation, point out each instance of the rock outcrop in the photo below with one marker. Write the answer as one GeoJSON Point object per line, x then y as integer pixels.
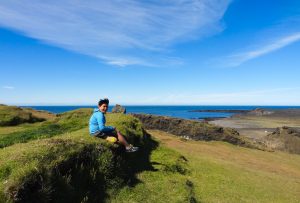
{"type": "Point", "coordinates": [194, 130]}
{"type": "Point", "coordinates": [285, 139]}
{"type": "Point", "coordinates": [260, 112]}
{"type": "Point", "coordinates": [119, 109]}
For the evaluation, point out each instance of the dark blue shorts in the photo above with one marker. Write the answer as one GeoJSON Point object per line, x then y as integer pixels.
{"type": "Point", "coordinates": [105, 134]}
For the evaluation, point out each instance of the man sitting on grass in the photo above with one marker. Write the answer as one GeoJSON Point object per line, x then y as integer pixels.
{"type": "Point", "coordinates": [98, 129]}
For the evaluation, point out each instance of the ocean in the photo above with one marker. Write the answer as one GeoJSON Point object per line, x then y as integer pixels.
{"type": "Point", "coordinates": [173, 111]}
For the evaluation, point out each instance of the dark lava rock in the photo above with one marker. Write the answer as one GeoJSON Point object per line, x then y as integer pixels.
{"type": "Point", "coordinates": [193, 129]}
{"type": "Point", "coordinates": [119, 109]}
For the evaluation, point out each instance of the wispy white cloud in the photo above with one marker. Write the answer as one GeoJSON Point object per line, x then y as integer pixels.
{"type": "Point", "coordinates": [238, 59]}
{"type": "Point", "coordinates": [127, 31]}
{"type": "Point", "coordinates": [8, 87]}
{"type": "Point", "coordinates": [123, 61]}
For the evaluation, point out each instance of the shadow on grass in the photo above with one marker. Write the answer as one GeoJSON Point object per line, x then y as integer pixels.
{"type": "Point", "coordinates": [140, 161]}
{"type": "Point", "coordinates": [91, 174]}
{"type": "Point", "coordinates": [115, 169]}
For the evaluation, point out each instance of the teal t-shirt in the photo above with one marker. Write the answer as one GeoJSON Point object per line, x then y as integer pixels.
{"type": "Point", "coordinates": [97, 123]}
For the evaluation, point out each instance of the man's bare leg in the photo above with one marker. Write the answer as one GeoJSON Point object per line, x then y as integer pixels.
{"type": "Point", "coordinates": [122, 139]}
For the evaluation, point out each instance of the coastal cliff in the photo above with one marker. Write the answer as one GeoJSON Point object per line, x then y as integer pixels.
{"type": "Point", "coordinates": [194, 130]}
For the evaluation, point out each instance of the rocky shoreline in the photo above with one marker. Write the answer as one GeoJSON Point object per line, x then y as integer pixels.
{"type": "Point", "coordinates": [276, 129]}
{"type": "Point", "coordinates": [195, 130]}
{"type": "Point", "coordinates": [259, 128]}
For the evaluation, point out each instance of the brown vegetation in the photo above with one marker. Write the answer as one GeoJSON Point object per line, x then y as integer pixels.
{"type": "Point", "coordinates": [285, 139]}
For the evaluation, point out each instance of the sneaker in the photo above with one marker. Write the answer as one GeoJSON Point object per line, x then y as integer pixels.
{"type": "Point", "coordinates": [131, 149]}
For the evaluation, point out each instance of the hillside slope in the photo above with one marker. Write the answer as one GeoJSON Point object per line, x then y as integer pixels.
{"type": "Point", "coordinates": [215, 172]}
{"type": "Point", "coordinates": [58, 161]}
{"type": "Point", "coordinates": [13, 115]}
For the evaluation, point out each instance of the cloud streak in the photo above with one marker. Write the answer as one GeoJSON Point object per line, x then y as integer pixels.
{"type": "Point", "coordinates": [238, 59]}
{"type": "Point", "coordinates": [8, 87]}
{"type": "Point", "coordinates": [126, 31]}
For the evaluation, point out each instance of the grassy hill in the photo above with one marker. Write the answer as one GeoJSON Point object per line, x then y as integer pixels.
{"type": "Point", "coordinates": [13, 115]}
{"type": "Point", "coordinates": [56, 160]}
{"type": "Point", "coordinates": [215, 172]}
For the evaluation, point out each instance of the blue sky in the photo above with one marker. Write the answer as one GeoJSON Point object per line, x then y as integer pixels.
{"type": "Point", "coordinates": [179, 52]}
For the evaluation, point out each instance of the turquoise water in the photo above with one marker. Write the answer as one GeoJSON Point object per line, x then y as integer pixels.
{"type": "Point", "coordinates": [173, 111]}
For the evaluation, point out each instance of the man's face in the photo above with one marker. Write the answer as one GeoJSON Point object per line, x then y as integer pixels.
{"type": "Point", "coordinates": [103, 108]}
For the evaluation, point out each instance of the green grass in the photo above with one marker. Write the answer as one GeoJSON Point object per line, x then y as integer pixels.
{"type": "Point", "coordinates": [58, 169]}
{"type": "Point", "coordinates": [216, 172]}
{"type": "Point", "coordinates": [67, 122]}
{"type": "Point", "coordinates": [61, 162]}
{"type": "Point", "coordinates": [215, 182]}
{"type": "Point", "coordinates": [12, 115]}
{"type": "Point", "coordinates": [127, 125]}
{"type": "Point", "coordinates": [10, 129]}
{"type": "Point", "coordinates": [73, 166]}
{"type": "Point", "coordinates": [167, 181]}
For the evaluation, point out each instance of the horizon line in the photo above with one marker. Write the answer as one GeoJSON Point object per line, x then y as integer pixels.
{"type": "Point", "coordinates": [89, 105]}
